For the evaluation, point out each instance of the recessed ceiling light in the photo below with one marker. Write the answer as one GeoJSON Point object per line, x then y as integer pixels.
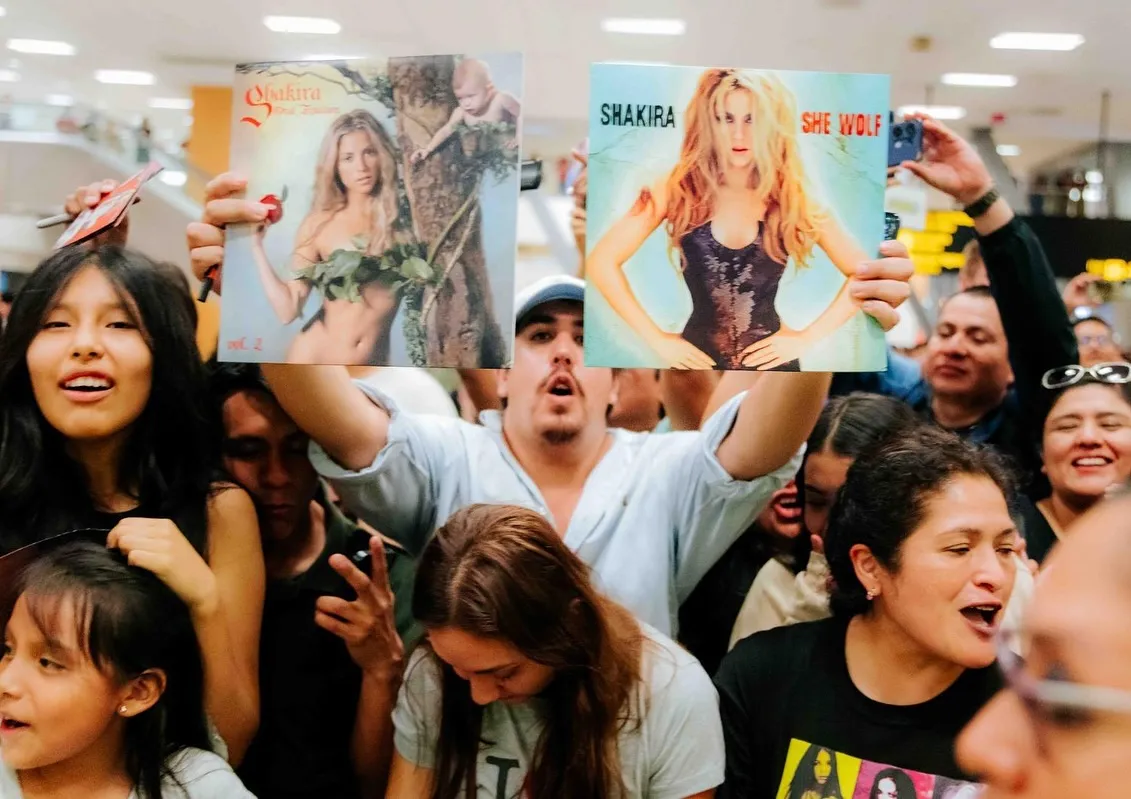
{"type": "Point", "coordinates": [173, 177]}
{"type": "Point", "coordinates": [59, 99]}
{"type": "Point", "coordinates": [172, 103]}
{"type": "Point", "coordinates": [301, 25]}
{"type": "Point", "coordinates": [9, 76]}
{"type": "Point", "coordinates": [937, 111]}
{"type": "Point", "coordinates": [1037, 41]}
{"type": "Point", "coordinates": [1008, 150]}
{"type": "Point", "coordinates": [3, 11]}
{"type": "Point", "coordinates": [975, 79]}
{"type": "Point", "coordinates": [40, 47]}
{"type": "Point", "coordinates": [647, 27]}
{"type": "Point", "coordinates": [126, 77]}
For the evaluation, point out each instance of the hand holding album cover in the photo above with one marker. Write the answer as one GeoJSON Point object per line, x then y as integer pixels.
{"type": "Point", "coordinates": [392, 194]}
{"type": "Point", "coordinates": [727, 210]}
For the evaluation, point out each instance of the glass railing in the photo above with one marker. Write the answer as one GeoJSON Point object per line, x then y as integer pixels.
{"type": "Point", "coordinates": [124, 143]}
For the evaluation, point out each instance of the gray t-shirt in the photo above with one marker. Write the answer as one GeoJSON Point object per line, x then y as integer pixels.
{"type": "Point", "coordinates": [202, 775]}
{"type": "Point", "coordinates": [675, 752]}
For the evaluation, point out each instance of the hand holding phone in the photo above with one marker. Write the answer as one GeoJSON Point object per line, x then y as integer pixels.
{"type": "Point", "coordinates": [905, 142]}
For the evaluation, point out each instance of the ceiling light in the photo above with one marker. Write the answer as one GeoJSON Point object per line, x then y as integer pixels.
{"type": "Point", "coordinates": [40, 47]}
{"type": "Point", "coordinates": [974, 79]}
{"type": "Point", "coordinates": [9, 76]}
{"type": "Point", "coordinates": [648, 27]}
{"type": "Point", "coordinates": [3, 11]}
{"type": "Point", "coordinates": [125, 77]}
{"type": "Point", "coordinates": [173, 177]}
{"type": "Point", "coordinates": [64, 100]}
{"type": "Point", "coordinates": [1008, 150]}
{"type": "Point", "coordinates": [172, 103]}
{"type": "Point", "coordinates": [301, 25]}
{"type": "Point", "coordinates": [1037, 41]}
{"type": "Point", "coordinates": [950, 112]}
{"type": "Point", "coordinates": [1094, 176]}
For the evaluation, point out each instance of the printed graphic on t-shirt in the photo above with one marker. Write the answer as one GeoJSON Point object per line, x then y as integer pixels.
{"type": "Point", "coordinates": [817, 772]}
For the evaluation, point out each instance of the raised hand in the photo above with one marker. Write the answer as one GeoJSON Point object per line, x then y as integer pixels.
{"type": "Point", "coordinates": [950, 163]}
{"type": "Point", "coordinates": [367, 624]}
{"type": "Point", "coordinates": [87, 197]}
{"type": "Point", "coordinates": [223, 205]}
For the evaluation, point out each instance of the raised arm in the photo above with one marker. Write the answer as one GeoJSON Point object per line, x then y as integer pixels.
{"type": "Point", "coordinates": [779, 411]}
{"type": "Point", "coordinates": [322, 400]}
{"type": "Point", "coordinates": [287, 297]}
{"type": "Point", "coordinates": [604, 268]}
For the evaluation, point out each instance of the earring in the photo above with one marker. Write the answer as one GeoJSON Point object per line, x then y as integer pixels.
{"type": "Point", "coordinates": [872, 594]}
{"type": "Point", "coordinates": [123, 710]}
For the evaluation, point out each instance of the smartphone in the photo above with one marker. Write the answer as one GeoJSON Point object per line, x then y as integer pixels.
{"type": "Point", "coordinates": [891, 226]}
{"type": "Point", "coordinates": [905, 142]}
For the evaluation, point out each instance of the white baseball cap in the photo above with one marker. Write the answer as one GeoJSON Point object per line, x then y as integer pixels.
{"type": "Point", "coordinates": [548, 289]}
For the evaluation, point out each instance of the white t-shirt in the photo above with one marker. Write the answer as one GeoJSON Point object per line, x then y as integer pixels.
{"type": "Point", "coordinates": [676, 751]}
{"type": "Point", "coordinates": [200, 774]}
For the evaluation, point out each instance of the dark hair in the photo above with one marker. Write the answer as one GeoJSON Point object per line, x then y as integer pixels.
{"type": "Point", "coordinates": [171, 459]}
{"type": "Point", "coordinates": [853, 424]}
{"type": "Point", "coordinates": [228, 379]}
{"type": "Point", "coordinates": [885, 499]}
{"type": "Point", "coordinates": [7, 296]}
{"type": "Point", "coordinates": [502, 572]}
{"type": "Point", "coordinates": [904, 787]}
{"type": "Point", "coordinates": [127, 622]}
{"type": "Point", "coordinates": [804, 783]}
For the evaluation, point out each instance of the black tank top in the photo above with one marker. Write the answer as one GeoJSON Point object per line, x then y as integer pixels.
{"type": "Point", "coordinates": [732, 296]}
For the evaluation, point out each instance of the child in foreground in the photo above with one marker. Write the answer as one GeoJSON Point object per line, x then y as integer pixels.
{"type": "Point", "coordinates": [102, 686]}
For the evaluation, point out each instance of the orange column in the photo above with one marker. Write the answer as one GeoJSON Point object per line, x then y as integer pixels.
{"type": "Point", "coordinates": [210, 142]}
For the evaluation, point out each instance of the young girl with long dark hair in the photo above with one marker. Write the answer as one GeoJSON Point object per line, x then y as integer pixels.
{"type": "Point", "coordinates": [101, 685]}
{"type": "Point", "coordinates": [105, 424]}
{"type": "Point", "coordinates": [532, 684]}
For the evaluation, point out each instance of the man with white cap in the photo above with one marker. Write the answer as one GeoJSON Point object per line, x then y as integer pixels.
{"type": "Point", "coordinates": [650, 514]}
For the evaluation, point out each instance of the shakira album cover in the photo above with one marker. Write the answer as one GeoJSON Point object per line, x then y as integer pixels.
{"type": "Point", "coordinates": [726, 210]}
{"type": "Point", "coordinates": [392, 187]}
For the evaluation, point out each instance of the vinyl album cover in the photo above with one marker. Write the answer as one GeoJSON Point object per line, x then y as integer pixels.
{"type": "Point", "coordinates": [393, 191]}
{"type": "Point", "coordinates": [726, 209]}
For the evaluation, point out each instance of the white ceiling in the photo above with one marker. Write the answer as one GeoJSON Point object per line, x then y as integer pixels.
{"type": "Point", "coordinates": [197, 41]}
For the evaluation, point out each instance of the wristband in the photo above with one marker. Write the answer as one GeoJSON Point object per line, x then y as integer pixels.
{"type": "Point", "coordinates": [982, 204]}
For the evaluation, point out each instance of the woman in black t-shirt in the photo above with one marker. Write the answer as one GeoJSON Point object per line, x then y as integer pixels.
{"type": "Point", "coordinates": [105, 424]}
{"type": "Point", "coordinates": [920, 546]}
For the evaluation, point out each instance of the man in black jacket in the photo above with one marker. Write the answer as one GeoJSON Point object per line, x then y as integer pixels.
{"type": "Point", "coordinates": [971, 381]}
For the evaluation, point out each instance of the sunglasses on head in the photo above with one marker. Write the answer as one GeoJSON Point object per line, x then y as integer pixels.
{"type": "Point", "coordinates": [1064, 376]}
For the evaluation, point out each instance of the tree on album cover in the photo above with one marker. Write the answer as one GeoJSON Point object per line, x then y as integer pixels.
{"type": "Point", "coordinates": [439, 268]}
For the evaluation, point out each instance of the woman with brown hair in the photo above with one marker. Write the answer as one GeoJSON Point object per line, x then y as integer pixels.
{"type": "Point", "coordinates": [532, 684]}
{"type": "Point", "coordinates": [354, 209]}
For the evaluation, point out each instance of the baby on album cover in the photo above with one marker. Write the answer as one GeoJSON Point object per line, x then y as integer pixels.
{"type": "Point", "coordinates": [393, 191]}
{"type": "Point", "coordinates": [726, 210]}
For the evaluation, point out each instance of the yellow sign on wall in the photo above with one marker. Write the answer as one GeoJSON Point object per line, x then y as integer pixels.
{"type": "Point", "coordinates": [929, 246]}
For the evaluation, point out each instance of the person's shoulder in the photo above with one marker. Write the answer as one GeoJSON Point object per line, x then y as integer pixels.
{"type": "Point", "coordinates": [198, 774]}
{"type": "Point", "coordinates": [672, 676]}
{"type": "Point", "coordinates": [228, 500]}
{"type": "Point", "coordinates": [770, 654]}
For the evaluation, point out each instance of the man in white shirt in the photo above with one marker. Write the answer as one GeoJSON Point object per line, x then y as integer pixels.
{"type": "Point", "coordinates": [649, 514]}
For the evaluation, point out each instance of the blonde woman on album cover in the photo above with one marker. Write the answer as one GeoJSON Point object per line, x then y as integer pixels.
{"type": "Point", "coordinates": [736, 209]}
{"type": "Point", "coordinates": [355, 197]}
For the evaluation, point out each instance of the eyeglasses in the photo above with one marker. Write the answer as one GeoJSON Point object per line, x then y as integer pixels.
{"type": "Point", "coordinates": [1064, 376]}
{"type": "Point", "coordinates": [1050, 698]}
{"type": "Point", "coordinates": [1102, 340]}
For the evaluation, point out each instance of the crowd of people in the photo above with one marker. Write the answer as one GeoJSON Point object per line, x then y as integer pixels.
{"type": "Point", "coordinates": [226, 580]}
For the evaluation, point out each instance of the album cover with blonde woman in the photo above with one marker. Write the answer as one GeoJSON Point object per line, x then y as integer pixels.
{"type": "Point", "coordinates": [390, 189]}
{"type": "Point", "coordinates": [727, 209]}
